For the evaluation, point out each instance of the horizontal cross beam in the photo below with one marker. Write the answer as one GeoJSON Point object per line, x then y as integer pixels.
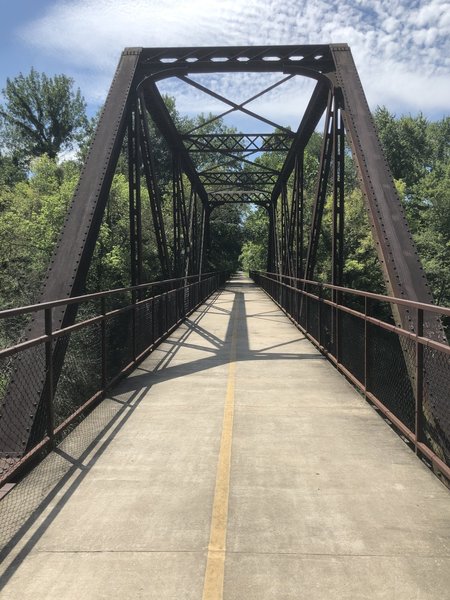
{"type": "Point", "coordinates": [258, 142]}
{"type": "Point", "coordinates": [238, 197]}
{"type": "Point", "coordinates": [238, 178]}
{"type": "Point", "coordinates": [239, 58]}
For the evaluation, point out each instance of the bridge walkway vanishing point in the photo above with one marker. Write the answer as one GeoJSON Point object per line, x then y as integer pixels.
{"type": "Point", "coordinates": [239, 465]}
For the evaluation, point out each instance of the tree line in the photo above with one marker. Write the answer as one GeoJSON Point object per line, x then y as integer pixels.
{"type": "Point", "coordinates": [41, 117]}
{"type": "Point", "coordinates": [418, 153]}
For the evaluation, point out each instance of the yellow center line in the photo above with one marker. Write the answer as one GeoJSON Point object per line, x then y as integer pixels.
{"type": "Point", "coordinates": [215, 564]}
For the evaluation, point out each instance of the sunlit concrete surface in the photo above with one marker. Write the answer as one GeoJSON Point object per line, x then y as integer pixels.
{"type": "Point", "coordinates": [323, 500]}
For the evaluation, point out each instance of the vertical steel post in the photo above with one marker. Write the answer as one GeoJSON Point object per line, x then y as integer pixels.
{"type": "Point", "coordinates": [300, 216]}
{"type": "Point", "coordinates": [134, 323]}
{"type": "Point", "coordinates": [138, 203]}
{"type": "Point", "coordinates": [285, 258]}
{"type": "Point", "coordinates": [131, 192]}
{"type": "Point", "coordinates": [337, 251]}
{"type": "Point", "coordinates": [271, 241]}
{"type": "Point", "coordinates": [321, 192]}
{"type": "Point", "coordinates": [153, 319]}
{"type": "Point", "coordinates": [337, 265]}
{"type": "Point", "coordinates": [202, 243]}
{"type": "Point", "coordinates": [175, 217]}
{"type": "Point", "coordinates": [49, 396]}
{"type": "Point", "coordinates": [134, 185]}
{"type": "Point", "coordinates": [419, 379]}
{"type": "Point", "coordinates": [103, 336]}
{"type": "Point", "coordinates": [207, 245]}
{"type": "Point", "coordinates": [366, 343]}
{"type": "Point", "coordinates": [189, 248]}
{"type": "Point", "coordinates": [153, 192]}
{"type": "Point", "coordinates": [320, 314]}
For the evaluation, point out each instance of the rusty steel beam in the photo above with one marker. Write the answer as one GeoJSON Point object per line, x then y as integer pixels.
{"type": "Point", "coordinates": [239, 59]}
{"type": "Point", "coordinates": [321, 191]}
{"type": "Point", "coordinates": [229, 142]}
{"type": "Point", "coordinates": [404, 274]}
{"type": "Point", "coordinates": [157, 109]}
{"type": "Point", "coordinates": [310, 120]}
{"type": "Point", "coordinates": [154, 194]}
{"type": "Point", "coordinates": [237, 178]}
{"type": "Point", "coordinates": [68, 268]}
{"type": "Point", "coordinates": [240, 196]}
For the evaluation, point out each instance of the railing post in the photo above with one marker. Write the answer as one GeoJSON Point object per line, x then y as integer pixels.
{"type": "Point", "coordinates": [134, 324]}
{"type": "Point", "coordinates": [103, 334]}
{"type": "Point", "coordinates": [306, 301]}
{"type": "Point", "coordinates": [366, 344]}
{"type": "Point", "coordinates": [166, 311]}
{"type": "Point", "coordinates": [49, 396]}
{"type": "Point", "coordinates": [320, 313]}
{"type": "Point", "coordinates": [419, 380]}
{"type": "Point", "coordinates": [153, 318]}
{"type": "Point", "coordinates": [337, 314]}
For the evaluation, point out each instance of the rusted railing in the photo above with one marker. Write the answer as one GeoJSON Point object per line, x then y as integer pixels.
{"type": "Point", "coordinates": [404, 373]}
{"type": "Point", "coordinates": [50, 382]}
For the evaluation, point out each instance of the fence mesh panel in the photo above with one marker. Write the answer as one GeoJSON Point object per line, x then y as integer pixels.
{"type": "Point", "coordinates": [351, 344]}
{"type": "Point", "coordinates": [144, 326]}
{"type": "Point", "coordinates": [391, 372]}
{"type": "Point", "coordinates": [436, 402]}
{"type": "Point", "coordinates": [20, 425]}
{"type": "Point", "coordinates": [81, 372]}
{"type": "Point", "coordinates": [381, 360]}
{"type": "Point", "coordinates": [327, 326]}
{"type": "Point", "coordinates": [119, 343]}
{"type": "Point", "coordinates": [82, 360]}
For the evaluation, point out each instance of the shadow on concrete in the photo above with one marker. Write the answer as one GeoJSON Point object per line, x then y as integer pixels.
{"type": "Point", "coordinates": [69, 464]}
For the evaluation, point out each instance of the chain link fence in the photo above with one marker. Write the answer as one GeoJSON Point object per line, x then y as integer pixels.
{"type": "Point", "coordinates": [404, 372]}
{"type": "Point", "coordinates": [48, 384]}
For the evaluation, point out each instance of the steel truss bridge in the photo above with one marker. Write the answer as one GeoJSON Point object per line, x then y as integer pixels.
{"type": "Point", "coordinates": [78, 346]}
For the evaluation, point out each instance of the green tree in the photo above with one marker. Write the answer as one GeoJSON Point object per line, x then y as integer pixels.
{"type": "Point", "coordinates": [41, 114]}
{"type": "Point", "coordinates": [11, 171]}
{"type": "Point", "coordinates": [406, 143]}
{"type": "Point", "coordinates": [225, 237]}
{"type": "Point", "coordinates": [255, 232]}
{"type": "Point", "coordinates": [31, 216]}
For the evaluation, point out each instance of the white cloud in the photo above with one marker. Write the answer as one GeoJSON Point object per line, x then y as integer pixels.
{"type": "Point", "coordinates": [401, 48]}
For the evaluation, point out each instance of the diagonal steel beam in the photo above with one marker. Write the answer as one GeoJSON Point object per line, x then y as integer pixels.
{"type": "Point", "coordinates": [321, 191]}
{"type": "Point", "coordinates": [162, 119]}
{"type": "Point", "coordinates": [154, 194]}
{"type": "Point", "coordinates": [239, 107]}
{"type": "Point", "coordinates": [68, 268]}
{"type": "Point", "coordinates": [310, 120]}
{"type": "Point", "coordinates": [398, 254]}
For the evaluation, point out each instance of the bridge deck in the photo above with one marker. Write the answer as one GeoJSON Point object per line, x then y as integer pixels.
{"type": "Point", "coordinates": [235, 430]}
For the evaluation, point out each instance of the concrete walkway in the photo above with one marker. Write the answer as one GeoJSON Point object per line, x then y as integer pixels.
{"type": "Point", "coordinates": [236, 464]}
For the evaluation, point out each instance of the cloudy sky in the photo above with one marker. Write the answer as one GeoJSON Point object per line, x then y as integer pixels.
{"type": "Point", "coordinates": [401, 47]}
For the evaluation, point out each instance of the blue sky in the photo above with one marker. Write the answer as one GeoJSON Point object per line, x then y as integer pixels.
{"type": "Point", "coordinates": [401, 47]}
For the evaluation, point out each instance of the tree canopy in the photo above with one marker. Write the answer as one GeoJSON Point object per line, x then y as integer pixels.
{"type": "Point", "coordinates": [41, 114]}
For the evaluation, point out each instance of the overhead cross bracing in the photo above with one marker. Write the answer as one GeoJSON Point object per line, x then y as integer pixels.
{"type": "Point", "coordinates": [337, 98]}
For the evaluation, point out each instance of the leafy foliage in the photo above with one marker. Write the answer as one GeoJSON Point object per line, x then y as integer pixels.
{"type": "Point", "coordinates": [41, 114]}
{"type": "Point", "coordinates": [44, 115]}
{"type": "Point", "coordinates": [419, 155]}
{"type": "Point", "coordinates": [31, 215]}
{"type": "Point", "coordinates": [226, 238]}
{"type": "Point", "coordinates": [256, 231]}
